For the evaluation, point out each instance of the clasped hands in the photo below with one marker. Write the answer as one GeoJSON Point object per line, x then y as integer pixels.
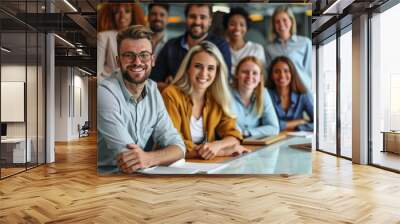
{"type": "Point", "coordinates": [133, 159]}
{"type": "Point", "coordinates": [210, 150]}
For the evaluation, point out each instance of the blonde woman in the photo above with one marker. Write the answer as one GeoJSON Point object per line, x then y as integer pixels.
{"type": "Point", "coordinates": [252, 102]}
{"type": "Point", "coordinates": [198, 102]}
{"type": "Point", "coordinates": [283, 41]}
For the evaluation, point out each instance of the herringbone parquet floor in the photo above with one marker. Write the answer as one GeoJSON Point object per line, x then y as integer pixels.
{"type": "Point", "coordinates": [70, 191]}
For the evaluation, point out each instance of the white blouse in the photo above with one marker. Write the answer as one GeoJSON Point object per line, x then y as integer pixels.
{"type": "Point", "coordinates": [106, 53]}
{"type": "Point", "coordinates": [196, 130]}
{"type": "Point", "coordinates": [249, 49]}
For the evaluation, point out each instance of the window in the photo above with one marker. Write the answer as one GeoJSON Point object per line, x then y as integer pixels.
{"type": "Point", "coordinates": [22, 74]}
{"type": "Point", "coordinates": [346, 94]}
{"type": "Point", "coordinates": [327, 97]}
{"type": "Point", "coordinates": [385, 86]}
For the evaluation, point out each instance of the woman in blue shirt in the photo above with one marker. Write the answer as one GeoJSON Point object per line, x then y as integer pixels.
{"type": "Point", "coordinates": [289, 96]}
{"type": "Point", "coordinates": [283, 41]}
{"type": "Point", "coordinates": [252, 104]}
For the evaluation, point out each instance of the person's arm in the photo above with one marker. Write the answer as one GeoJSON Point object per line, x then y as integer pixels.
{"type": "Point", "coordinates": [269, 120]}
{"type": "Point", "coordinates": [135, 158]}
{"type": "Point", "coordinates": [110, 124]}
{"type": "Point", "coordinates": [230, 135]}
{"type": "Point", "coordinates": [293, 124]}
{"type": "Point", "coordinates": [309, 109]}
{"type": "Point", "coordinates": [221, 147]}
{"type": "Point", "coordinates": [176, 117]}
{"type": "Point", "coordinates": [101, 53]}
{"type": "Point", "coordinates": [165, 134]}
{"type": "Point", "coordinates": [307, 59]}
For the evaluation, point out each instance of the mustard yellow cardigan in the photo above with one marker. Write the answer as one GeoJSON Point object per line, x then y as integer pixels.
{"type": "Point", "coordinates": [215, 121]}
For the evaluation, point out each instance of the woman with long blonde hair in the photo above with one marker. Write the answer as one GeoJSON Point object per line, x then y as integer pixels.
{"type": "Point", "coordinates": [198, 102]}
{"type": "Point", "coordinates": [252, 102]}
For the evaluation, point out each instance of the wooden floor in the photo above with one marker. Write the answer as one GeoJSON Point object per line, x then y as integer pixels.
{"type": "Point", "coordinates": [387, 159]}
{"type": "Point", "coordinates": [70, 191]}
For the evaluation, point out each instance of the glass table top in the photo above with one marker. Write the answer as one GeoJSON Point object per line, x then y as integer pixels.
{"type": "Point", "coordinates": [277, 158]}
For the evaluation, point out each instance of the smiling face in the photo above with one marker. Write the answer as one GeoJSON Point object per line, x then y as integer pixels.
{"type": "Point", "coordinates": [248, 75]}
{"type": "Point", "coordinates": [202, 70]}
{"type": "Point", "coordinates": [158, 18]}
{"type": "Point", "coordinates": [123, 17]}
{"type": "Point", "coordinates": [281, 74]}
{"type": "Point", "coordinates": [198, 21]}
{"type": "Point", "coordinates": [237, 27]}
{"type": "Point", "coordinates": [133, 69]}
{"type": "Point", "coordinates": [282, 24]}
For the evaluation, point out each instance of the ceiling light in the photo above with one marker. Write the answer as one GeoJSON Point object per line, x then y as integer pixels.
{"type": "Point", "coordinates": [84, 71]}
{"type": "Point", "coordinates": [70, 5]}
{"type": "Point", "coordinates": [256, 17]}
{"type": "Point", "coordinates": [337, 7]}
{"type": "Point", "coordinates": [174, 19]}
{"type": "Point", "coordinates": [5, 49]}
{"type": "Point", "coordinates": [65, 41]}
{"type": "Point", "coordinates": [221, 8]}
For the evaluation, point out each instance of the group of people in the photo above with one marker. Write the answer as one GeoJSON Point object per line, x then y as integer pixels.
{"type": "Point", "coordinates": [204, 94]}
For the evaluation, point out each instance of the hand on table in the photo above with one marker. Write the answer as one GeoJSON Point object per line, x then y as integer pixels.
{"type": "Point", "coordinates": [208, 150]}
{"type": "Point", "coordinates": [235, 150]}
{"type": "Point", "coordinates": [213, 149]}
{"type": "Point", "coordinates": [133, 159]}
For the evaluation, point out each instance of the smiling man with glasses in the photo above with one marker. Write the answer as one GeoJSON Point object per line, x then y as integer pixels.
{"type": "Point", "coordinates": [130, 110]}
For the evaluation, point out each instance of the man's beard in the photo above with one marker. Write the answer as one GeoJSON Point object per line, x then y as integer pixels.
{"type": "Point", "coordinates": [127, 77]}
{"type": "Point", "coordinates": [195, 36]}
{"type": "Point", "coordinates": [156, 28]}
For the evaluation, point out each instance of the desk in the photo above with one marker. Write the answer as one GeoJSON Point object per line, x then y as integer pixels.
{"type": "Point", "coordinates": [391, 141]}
{"type": "Point", "coordinates": [13, 150]}
{"type": "Point", "coordinates": [277, 158]}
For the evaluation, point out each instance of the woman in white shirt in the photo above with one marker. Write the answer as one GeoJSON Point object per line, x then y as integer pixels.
{"type": "Point", "coordinates": [236, 24]}
{"type": "Point", "coordinates": [113, 18]}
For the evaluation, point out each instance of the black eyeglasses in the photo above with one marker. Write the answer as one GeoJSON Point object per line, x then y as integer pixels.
{"type": "Point", "coordinates": [144, 56]}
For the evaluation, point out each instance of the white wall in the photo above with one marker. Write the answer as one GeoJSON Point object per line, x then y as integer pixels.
{"type": "Point", "coordinates": [34, 124]}
{"type": "Point", "coordinates": [12, 73]}
{"type": "Point", "coordinates": [69, 85]}
{"type": "Point", "coordinates": [61, 104]}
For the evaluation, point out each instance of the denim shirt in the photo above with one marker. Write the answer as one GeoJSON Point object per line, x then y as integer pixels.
{"type": "Point", "coordinates": [299, 104]}
{"type": "Point", "coordinates": [299, 50]}
{"type": "Point", "coordinates": [122, 120]}
{"type": "Point", "coordinates": [249, 121]}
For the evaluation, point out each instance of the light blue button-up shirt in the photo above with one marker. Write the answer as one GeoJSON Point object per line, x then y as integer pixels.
{"type": "Point", "coordinates": [121, 120]}
{"type": "Point", "coordinates": [299, 103]}
{"type": "Point", "coordinates": [299, 50]}
{"type": "Point", "coordinates": [248, 121]}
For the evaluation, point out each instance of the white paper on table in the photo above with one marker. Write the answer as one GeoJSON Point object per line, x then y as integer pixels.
{"type": "Point", "coordinates": [182, 167]}
{"type": "Point", "coordinates": [306, 134]}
